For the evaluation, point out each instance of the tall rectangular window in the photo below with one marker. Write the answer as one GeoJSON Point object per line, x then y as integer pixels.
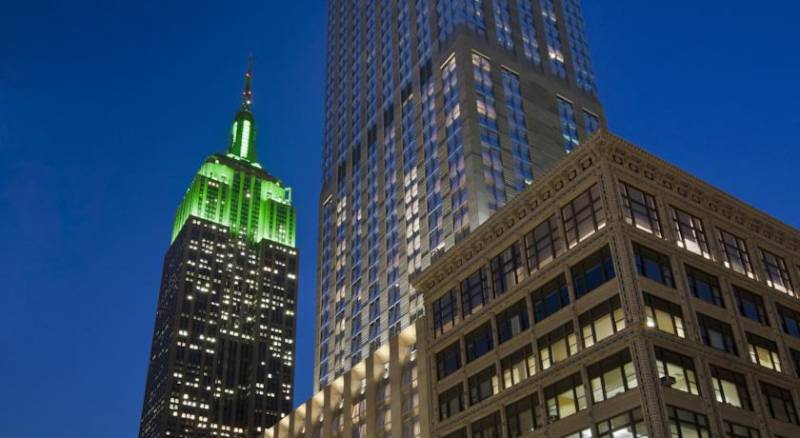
{"type": "Point", "coordinates": [479, 342]}
{"type": "Point", "coordinates": [550, 298]}
{"type": "Point", "coordinates": [653, 265]}
{"type": "Point", "coordinates": [543, 244]}
{"type": "Point", "coordinates": [451, 402]}
{"type": "Point", "coordinates": [583, 216]}
{"type": "Point", "coordinates": [704, 286]}
{"type": "Point", "coordinates": [474, 292]}
{"type": "Point", "coordinates": [502, 24]}
{"type": "Point", "coordinates": [552, 35]}
{"type": "Point", "coordinates": [491, 152]}
{"type": "Point", "coordinates": [591, 123]}
{"type": "Point", "coordinates": [512, 321]}
{"type": "Point", "coordinates": [612, 376]}
{"type": "Point", "coordinates": [685, 423]}
{"type": "Point", "coordinates": [780, 403]}
{"type": "Point", "coordinates": [518, 366]}
{"type": "Point", "coordinates": [763, 352]}
{"type": "Point", "coordinates": [569, 127]}
{"type": "Point", "coordinates": [790, 321]}
{"type": "Point", "coordinates": [592, 272]}
{"type": "Point", "coordinates": [565, 397]}
{"type": "Point", "coordinates": [482, 385]}
{"type": "Point", "coordinates": [717, 334]}
{"type": "Point", "coordinates": [527, 24]}
{"type": "Point", "coordinates": [735, 254]}
{"type": "Point", "coordinates": [522, 416]}
{"type": "Point", "coordinates": [640, 210]}
{"type": "Point", "coordinates": [602, 322]}
{"type": "Point", "coordinates": [448, 361]}
{"type": "Point", "coordinates": [631, 424]}
{"type": "Point", "coordinates": [750, 305]}
{"type": "Point", "coordinates": [558, 345]}
{"type": "Point", "coordinates": [730, 388]}
{"type": "Point", "coordinates": [445, 310]}
{"type": "Point", "coordinates": [664, 315]}
{"type": "Point", "coordinates": [777, 274]}
{"type": "Point", "coordinates": [517, 131]}
{"type": "Point", "coordinates": [680, 368]}
{"type": "Point", "coordinates": [508, 269]}
{"type": "Point", "coordinates": [690, 232]}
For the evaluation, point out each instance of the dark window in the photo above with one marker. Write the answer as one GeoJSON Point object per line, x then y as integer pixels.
{"type": "Point", "coordinates": [716, 334]}
{"type": "Point", "coordinates": [444, 312]}
{"type": "Point", "coordinates": [474, 292]}
{"type": "Point", "coordinates": [796, 359]}
{"type": "Point", "coordinates": [790, 321]}
{"type": "Point", "coordinates": [704, 286]}
{"type": "Point", "coordinates": [612, 376]}
{"type": "Point", "coordinates": [777, 274]}
{"type": "Point", "coordinates": [685, 423]}
{"type": "Point", "coordinates": [690, 232]}
{"type": "Point", "coordinates": [487, 427]}
{"type": "Point", "coordinates": [550, 298]}
{"type": "Point", "coordinates": [763, 352]}
{"type": "Point", "coordinates": [730, 388]}
{"type": "Point", "coordinates": [780, 403]}
{"type": "Point", "coordinates": [735, 254]}
{"type": "Point", "coordinates": [640, 209]}
{"type": "Point", "coordinates": [523, 416]}
{"type": "Point", "coordinates": [451, 402]}
{"type": "Point", "coordinates": [592, 272]}
{"type": "Point", "coordinates": [583, 216]}
{"type": "Point", "coordinates": [482, 385]}
{"type": "Point", "coordinates": [664, 315]}
{"type": "Point", "coordinates": [460, 433]}
{"type": "Point", "coordinates": [479, 342]}
{"type": "Point", "coordinates": [543, 244]}
{"type": "Point", "coordinates": [557, 345]}
{"type": "Point", "coordinates": [448, 361]}
{"type": "Point", "coordinates": [734, 430]}
{"type": "Point", "coordinates": [631, 424]}
{"type": "Point", "coordinates": [507, 269]}
{"type": "Point", "coordinates": [602, 321]}
{"type": "Point", "coordinates": [653, 265]}
{"type": "Point", "coordinates": [565, 397]}
{"type": "Point", "coordinates": [679, 367]}
{"type": "Point", "coordinates": [518, 366]}
{"type": "Point", "coordinates": [750, 305]}
{"type": "Point", "coordinates": [512, 321]}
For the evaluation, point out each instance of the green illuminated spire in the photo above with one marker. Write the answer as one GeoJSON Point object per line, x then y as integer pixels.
{"type": "Point", "coordinates": [233, 190]}
{"type": "Point", "coordinates": [243, 133]}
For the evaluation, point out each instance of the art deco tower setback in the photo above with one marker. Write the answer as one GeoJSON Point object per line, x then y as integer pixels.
{"type": "Point", "coordinates": [223, 347]}
{"type": "Point", "coordinates": [438, 112]}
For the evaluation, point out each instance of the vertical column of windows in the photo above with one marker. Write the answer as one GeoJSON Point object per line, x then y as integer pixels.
{"type": "Point", "coordinates": [355, 65]}
{"type": "Point", "coordinates": [411, 187]}
{"type": "Point", "coordinates": [552, 35]}
{"type": "Point", "coordinates": [530, 42]}
{"type": "Point", "coordinates": [423, 21]}
{"type": "Point", "coordinates": [325, 289]}
{"type": "Point", "coordinates": [392, 198]}
{"type": "Point", "coordinates": [433, 180]}
{"type": "Point", "coordinates": [579, 48]}
{"type": "Point", "coordinates": [502, 24]}
{"type": "Point", "coordinates": [370, 59]}
{"type": "Point", "coordinates": [455, 149]}
{"type": "Point", "coordinates": [455, 12]}
{"type": "Point", "coordinates": [373, 236]}
{"type": "Point", "coordinates": [387, 51]}
{"type": "Point", "coordinates": [569, 127]}
{"type": "Point", "coordinates": [517, 131]}
{"type": "Point", "coordinates": [491, 153]}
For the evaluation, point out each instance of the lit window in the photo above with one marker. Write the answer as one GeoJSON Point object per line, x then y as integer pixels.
{"type": "Point", "coordinates": [640, 209]}
{"type": "Point", "coordinates": [730, 388]}
{"type": "Point", "coordinates": [680, 368]}
{"type": "Point", "coordinates": [612, 376]}
{"type": "Point", "coordinates": [583, 216]}
{"type": "Point", "coordinates": [690, 232]}
{"type": "Point", "coordinates": [518, 366]}
{"type": "Point", "coordinates": [777, 274]}
{"type": "Point", "coordinates": [631, 424]}
{"type": "Point", "coordinates": [565, 398]}
{"type": "Point", "coordinates": [735, 254]}
{"type": "Point", "coordinates": [543, 244]}
{"type": "Point", "coordinates": [602, 322]}
{"type": "Point", "coordinates": [664, 315]}
{"type": "Point", "coordinates": [557, 345]}
{"type": "Point", "coordinates": [482, 385]}
{"type": "Point", "coordinates": [763, 352]}
{"type": "Point", "coordinates": [507, 269]}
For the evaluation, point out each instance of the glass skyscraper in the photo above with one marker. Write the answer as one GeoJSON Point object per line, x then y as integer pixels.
{"type": "Point", "coordinates": [222, 357]}
{"type": "Point", "coordinates": [437, 113]}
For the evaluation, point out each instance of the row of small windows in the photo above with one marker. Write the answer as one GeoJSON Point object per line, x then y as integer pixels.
{"type": "Point", "coordinates": [640, 210]}
{"type": "Point", "coordinates": [580, 218]}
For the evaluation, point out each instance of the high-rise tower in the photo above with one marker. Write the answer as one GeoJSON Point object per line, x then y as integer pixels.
{"type": "Point", "coordinates": [223, 347]}
{"type": "Point", "coordinates": [437, 113]}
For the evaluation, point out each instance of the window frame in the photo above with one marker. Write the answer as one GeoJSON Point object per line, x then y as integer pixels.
{"type": "Point", "coordinates": [768, 347]}
{"type": "Point", "coordinates": [445, 321]}
{"type": "Point", "coordinates": [599, 262]}
{"type": "Point", "coordinates": [643, 210]}
{"type": "Point", "coordinates": [474, 293]}
{"type": "Point", "coordinates": [504, 321]}
{"type": "Point", "coordinates": [644, 254]}
{"type": "Point", "coordinates": [696, 277]}
{"type": "Point", "coordinates": [690, 232]}
{"type": "Point", "coordinates": [775, 393]}
{"type": "Point", "coordinates": [677, 417]}
{"type": "Point", "coordinates": [556, 391]}
{"type": "Point", "coordinates": [734, 247]}
{"type": "Point", "coordinates": [575, 216]}
{"type": "Point", "coordinates": [588, 321]}
{"type": "Point", "coordinates": [442, 370]}
{"type": "Point", "coordinates": [471, 340]}
{"type": "Point", "coordinates": [477, 385]}
{"type": "Point", "coordinates": [510, 366]}
{"type": "Point", "coordinates": [744, 298]}
{"type": "Point", "coordinates": [776, 271]}
{"type": "Point", "coordinates": [737, 381]}
{"type": "Point", "coordinates": [507, 269]}
{"type": "Point", "coordinates": [654, 304]}
{"type": "Point", "coordinates": [598, 373]}
{"type": "Point", "coordinates": [725, 330]}
{"type": "Point", "coordinates": [565, 333]}
{"type": "Point", "coordinates": [541, 250]}
{"type": "Point", "coordinates": [514, 411]}
{"type": "Point", "coordinates": [685, 364]}
{"type": "Point", "coordinates": [541, 296]}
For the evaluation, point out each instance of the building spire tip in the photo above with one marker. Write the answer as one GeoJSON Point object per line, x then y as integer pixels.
{"type": "Point", "coordinates": [247, 94]}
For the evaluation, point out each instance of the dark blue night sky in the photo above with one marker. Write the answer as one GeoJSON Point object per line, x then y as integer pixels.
{"type": "Point", "coordinates": [107, 110]}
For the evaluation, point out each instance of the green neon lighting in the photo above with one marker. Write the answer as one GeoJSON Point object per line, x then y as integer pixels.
{"type": "Point", "coordinates": [232, 190]}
